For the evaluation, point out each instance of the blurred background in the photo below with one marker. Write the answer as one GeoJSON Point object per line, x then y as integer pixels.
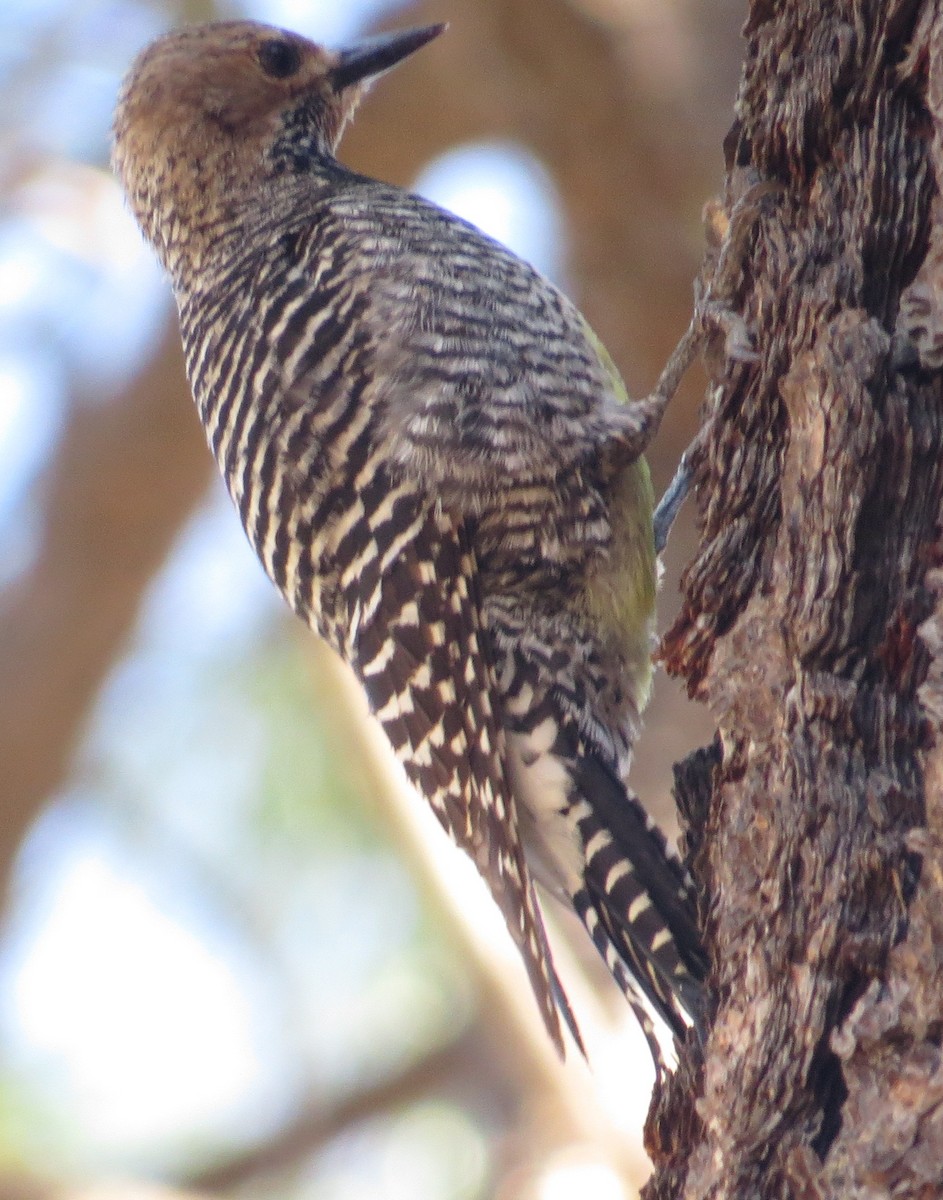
{"type": "Point", "coordinates": [235, 959]}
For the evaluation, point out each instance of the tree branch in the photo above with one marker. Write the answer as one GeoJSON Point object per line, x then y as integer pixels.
{"type": "Point", "coordinates": [317, 1123]}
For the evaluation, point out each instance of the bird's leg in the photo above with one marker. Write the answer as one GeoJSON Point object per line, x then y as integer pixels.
{"type": "Point", "coordinates": [709, 317]}
{"type": "Point", "coordinates": [646, 414]}
{"type": "Point", "coordinates": [713, 314]}
{"type": "Point", "coordinates": [670, 504]}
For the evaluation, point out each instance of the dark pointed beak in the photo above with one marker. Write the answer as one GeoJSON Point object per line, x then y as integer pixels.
{"type": "Point", "coordinates": [375, 55]}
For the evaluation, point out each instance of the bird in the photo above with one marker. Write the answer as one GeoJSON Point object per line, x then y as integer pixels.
{"type": "Point", "coordinates": [438, 466]}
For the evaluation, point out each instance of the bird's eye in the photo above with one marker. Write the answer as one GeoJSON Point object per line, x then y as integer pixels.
{"type": "Point", "coordinates": [279, 58]}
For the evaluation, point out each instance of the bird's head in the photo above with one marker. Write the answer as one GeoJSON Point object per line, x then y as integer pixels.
{"type": "Point", "coordinates": [209, 109]}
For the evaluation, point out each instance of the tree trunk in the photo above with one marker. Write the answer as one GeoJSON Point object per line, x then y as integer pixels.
{"type": "Point", "coordinates": [813, 623]}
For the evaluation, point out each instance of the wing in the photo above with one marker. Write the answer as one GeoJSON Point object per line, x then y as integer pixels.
{"type": "Point", "coordinates": [491, 378]}
{"type": "Point", "coordinates": [417, 646]}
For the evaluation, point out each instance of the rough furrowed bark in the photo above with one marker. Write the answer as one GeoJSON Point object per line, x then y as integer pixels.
{"type": "Point", "coordinates": [812, 623]}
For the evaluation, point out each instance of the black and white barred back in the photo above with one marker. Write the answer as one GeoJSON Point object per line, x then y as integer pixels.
{"type": "Point", "coordinates": [421, 437]}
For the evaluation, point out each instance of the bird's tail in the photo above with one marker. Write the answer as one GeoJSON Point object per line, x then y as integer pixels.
{"type": "Point", "coordinates": [638, 905]}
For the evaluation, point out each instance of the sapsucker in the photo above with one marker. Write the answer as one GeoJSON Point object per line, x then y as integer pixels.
{"type": "Point", "coordinates": [438, 466]}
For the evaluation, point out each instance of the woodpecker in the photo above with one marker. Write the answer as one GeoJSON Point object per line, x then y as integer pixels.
{"type": "Point", "coordinates": [438, 466]}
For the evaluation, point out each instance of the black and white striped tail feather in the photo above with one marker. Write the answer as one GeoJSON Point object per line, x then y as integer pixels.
{"type": "Point", "coordinates": [630, 974]}
{"type": "Point", "coordinates": [423, 663]}
{"type": "Point", "coordinates": [638, 905]}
